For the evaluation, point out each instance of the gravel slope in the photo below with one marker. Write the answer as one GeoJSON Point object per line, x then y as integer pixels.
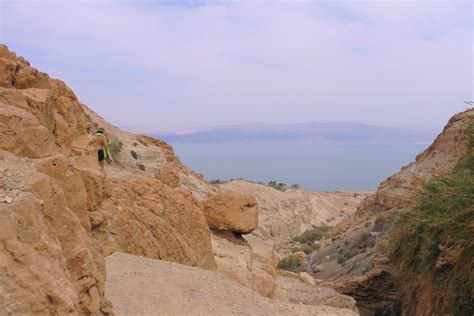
{"type": "Point", "coordinates": [141, 286]}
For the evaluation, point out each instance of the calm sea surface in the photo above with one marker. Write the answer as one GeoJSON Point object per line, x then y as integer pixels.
{"type": "Point", "coordinates": [312, 166]}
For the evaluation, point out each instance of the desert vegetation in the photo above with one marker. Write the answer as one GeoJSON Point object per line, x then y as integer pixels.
{"type": "Point", "coordinates": [308, 238]}
{"type": "Point", "coordinates": [115, 148]}
{"type": "Point", "coordinates": [434, 239]}
{"type": "Point", "coordinates": [290, 263]}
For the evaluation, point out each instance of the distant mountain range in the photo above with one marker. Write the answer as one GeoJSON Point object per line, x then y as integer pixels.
{"type": "Point", "coordinates": [343, 132]}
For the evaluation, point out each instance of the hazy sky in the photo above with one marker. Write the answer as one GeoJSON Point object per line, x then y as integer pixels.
{"type": "Point", "coordinates": [167, 65]}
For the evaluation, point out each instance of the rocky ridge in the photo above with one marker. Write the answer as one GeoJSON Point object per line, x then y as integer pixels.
{"type": "Point", "coordinates": [355, 253]}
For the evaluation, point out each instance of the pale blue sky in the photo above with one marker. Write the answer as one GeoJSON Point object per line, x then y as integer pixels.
{"type": "Point", "coordinates": [166, 65]}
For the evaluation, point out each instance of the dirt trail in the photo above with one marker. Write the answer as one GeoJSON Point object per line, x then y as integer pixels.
{"type": "Point", "coordinates": [141, 286]}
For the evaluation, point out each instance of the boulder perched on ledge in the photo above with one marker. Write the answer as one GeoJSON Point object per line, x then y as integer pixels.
{"type": "Point", "coordinates": [227, 211]}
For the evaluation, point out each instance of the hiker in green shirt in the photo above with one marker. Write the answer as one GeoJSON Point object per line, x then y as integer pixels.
{"type": "Point", "coordinates": [102, 147]}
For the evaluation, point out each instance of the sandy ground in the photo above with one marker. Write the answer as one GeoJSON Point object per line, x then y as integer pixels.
{"type": "Point", "coordinates": [142, 286]}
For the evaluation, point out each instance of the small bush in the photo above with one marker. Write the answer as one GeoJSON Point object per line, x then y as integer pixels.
{"type": "Point", "coordinates": [135, 144]}
{"type": "Point", "coordinates": [277, 185]}
{"type": "Point", "coordinates": [134, 154]}
{"type": "Point", "coordinates": [310, 236]}
{"type": "Point", "coordinates": [307, 249]}
{"type": "Point", "coordinates": [141, 166]}
{"type": "Point", "coordinates": [115, 148]}
{"type": "Point", "coordinates": [290, 263]}
{"type": "Point", "coordinates": [216, 181]}
{"type": "Point", "coordinates": [142, 142]}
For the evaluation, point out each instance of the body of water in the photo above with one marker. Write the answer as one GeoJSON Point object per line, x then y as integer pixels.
{"type": "Point", "coordinates": [312, 166]}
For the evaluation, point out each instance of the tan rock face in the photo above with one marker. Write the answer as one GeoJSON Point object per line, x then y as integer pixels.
{"type": "Point", "coordinates": [146, 217]}
{"type": "Point", "coordinates": [230, 212]}
{"type": "Point", "coordinates": [49, 265]}
{"type": "Point", "coordinates": [7, 69]}
{"type": "Point", "coordinates": [249, 262]}
{"type": "Point", "coordinates": [312, 292]}
{"type": "Point", "coordinates": [60, 215]}
{"type": "Point", "coordinates": [168, 175]}
{"type": "Point", "coordinates": [22, 134]}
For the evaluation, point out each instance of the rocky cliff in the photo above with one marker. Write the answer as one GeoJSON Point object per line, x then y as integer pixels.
{"type": "Point", "coordinates": [61, 215]}
{"type": "Point", "coordinates": [355, 254]}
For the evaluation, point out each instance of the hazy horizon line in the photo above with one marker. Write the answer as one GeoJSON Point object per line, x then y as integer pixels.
{"type": "Point", "coordinates": [194, 129]}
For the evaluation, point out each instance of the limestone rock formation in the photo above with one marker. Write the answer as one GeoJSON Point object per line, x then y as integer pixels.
{"type": "Point", "coordinates": [312, 292]}
{"type": "Point", "coordinates": [225, 211]}
{"type": "Point", "coordinates": [248, 261]}
{"type": "Point", "coordinates": [49, 264]}
{"type": "Point", "coordinates": [61, 215]}
{"type": "Point", "coordinates": [284, 215]}
{"type": "Point", "coordinates": [354, 255]}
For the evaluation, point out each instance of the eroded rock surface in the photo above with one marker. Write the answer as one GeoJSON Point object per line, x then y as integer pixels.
{"type": "Point", "coordinates": [61, 214]}
{"type": "Point", "coordinates": [355, 254]}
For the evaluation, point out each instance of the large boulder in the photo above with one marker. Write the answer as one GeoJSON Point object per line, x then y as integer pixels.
{"type": "Point", "coordinates": [225, 211]}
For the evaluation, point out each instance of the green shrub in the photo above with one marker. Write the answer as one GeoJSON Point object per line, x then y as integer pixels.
{"type": "Point", "coordinates": [307, 249]}
{"type": "Point", "coordinates": [141, 166]}
{"type": "Point", "coordinates": [310, 236]}
{"type": "Point", "coordinates": [434, 239]}
{"type": "Point", "coordinates": [134, 154]}
{"type": "Point", "coordinates": [277, 185]}
{"type": "Point", "coordinates": [366, 269]}
{"type": "Point", "coordinates": [216, 181]}
{"type": "Point", "coordinates": [115, 148]}
{"type": "Point", "coordinates": [142, 142]}
{"type": "Point", "coordinates": [290, 263]}
{"type": "Point", "coordinates": [135, 144]}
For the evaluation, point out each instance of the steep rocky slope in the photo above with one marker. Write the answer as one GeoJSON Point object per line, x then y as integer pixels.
{"type": "Point", "coordinates": [355, 254]}
{"type": "Point", "coordinates": [61, 215]}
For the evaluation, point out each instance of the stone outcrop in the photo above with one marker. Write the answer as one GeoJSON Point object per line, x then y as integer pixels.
{"type": "Point", "coordinates": [285, 215]}
{"type": "Point", "coordinates": [48, 262]}
{"type": "Point", "coordinates": [227, 211]}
